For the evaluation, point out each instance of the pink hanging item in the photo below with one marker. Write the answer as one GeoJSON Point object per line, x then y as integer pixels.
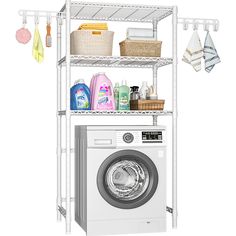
{"type": "Point", "coordinates": [23, 35]}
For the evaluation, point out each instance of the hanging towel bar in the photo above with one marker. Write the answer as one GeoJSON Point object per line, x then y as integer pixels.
{"type": "Point", "coordinates": [33, 13]}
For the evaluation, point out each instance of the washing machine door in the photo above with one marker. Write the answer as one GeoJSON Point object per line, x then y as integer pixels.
{"type": "Point", "coordinates": [127, 179]}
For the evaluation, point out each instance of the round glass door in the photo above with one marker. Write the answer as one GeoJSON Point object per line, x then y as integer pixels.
{"type": "Point", "coordinates": [127, 179]}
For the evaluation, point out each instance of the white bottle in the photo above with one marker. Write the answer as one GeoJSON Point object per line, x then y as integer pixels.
{"type": "Point", "coordinates": [143, 91]}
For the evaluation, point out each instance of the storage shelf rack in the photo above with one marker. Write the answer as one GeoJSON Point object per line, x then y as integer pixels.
{"type": "Point", "coordinates": [107, 12]}
{"type": "Point", "coordinates": [110, 12]}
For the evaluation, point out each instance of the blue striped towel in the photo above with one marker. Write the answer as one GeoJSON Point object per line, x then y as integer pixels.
{"type": "Point", "coordinates": [194, 52]}
{"type": "Point", "coordinates": [210, 54]}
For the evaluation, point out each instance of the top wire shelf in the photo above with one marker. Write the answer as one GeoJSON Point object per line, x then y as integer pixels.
{"type": "Point", "coordinates": [117, 12]}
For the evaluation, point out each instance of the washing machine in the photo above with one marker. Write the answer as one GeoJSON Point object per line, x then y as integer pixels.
{"type": "Point", "coordinates": [120, 179]}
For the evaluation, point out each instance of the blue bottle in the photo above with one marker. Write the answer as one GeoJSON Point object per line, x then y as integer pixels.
{"type": "Point", "coordinates": [80, 96]}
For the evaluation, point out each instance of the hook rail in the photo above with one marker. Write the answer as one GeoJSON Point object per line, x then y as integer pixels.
{"type": "Point", "coordinates": [195, 22]}
{"type": "Point", "coordinates": [33, 13]}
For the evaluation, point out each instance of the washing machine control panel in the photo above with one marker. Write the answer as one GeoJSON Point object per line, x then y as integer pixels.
{"type": "Point", "coordinates": [140, 138]}
{"type": "Point", "coordinates": [152, 136]}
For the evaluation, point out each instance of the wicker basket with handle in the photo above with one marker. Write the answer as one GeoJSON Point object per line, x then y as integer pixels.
{"type": "Point", "coordinates": [147, 104]}
{"type": "Point", "coordinates": [91, 42]}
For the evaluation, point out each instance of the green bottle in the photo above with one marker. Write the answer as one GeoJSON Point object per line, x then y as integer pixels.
{"type": "Point", "coordinates": [124, 96]}
{"type": "Point", "coordinates": [116, 95]}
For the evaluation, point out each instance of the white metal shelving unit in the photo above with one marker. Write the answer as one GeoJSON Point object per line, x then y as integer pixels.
{"type": "Point", "coordinates": [111, 12]}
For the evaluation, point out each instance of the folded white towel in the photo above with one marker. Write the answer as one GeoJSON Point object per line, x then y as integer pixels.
{"type": "Point", "coordinates": [210, 54]}
{"type": "Point", "coordinates": [139, 32]}
{"type": "Point", "coordinates": [194, 52]}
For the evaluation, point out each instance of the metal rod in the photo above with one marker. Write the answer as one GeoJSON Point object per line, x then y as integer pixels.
{"type": "Point", "coordinates": [68, 120]}
{"type": "Point", "coordinates": [59, 198]}
{"type": "Point", "coordinates": [154, 120]}
{"type": "Point", "coordinates": [155, 68]}
{"type": "Point", "coordinates": [174, 117]}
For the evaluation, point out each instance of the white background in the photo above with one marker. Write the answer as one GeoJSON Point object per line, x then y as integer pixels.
{"type": "Point", "coordinates": [206, 131]}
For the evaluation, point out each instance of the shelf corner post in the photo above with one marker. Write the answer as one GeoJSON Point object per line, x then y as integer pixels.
{"type": "Point", "coordinates": [68, 120]}
{"type": "Point", "coordinates": [59, 148]}
{"type": "Point", "coordinates": [174, 116]}
{"type": "Point", "coordinates": [155, 67]}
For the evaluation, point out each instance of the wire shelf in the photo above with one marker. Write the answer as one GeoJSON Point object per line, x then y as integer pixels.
{"type": "Point", "coordinates": [118, 12]}
{"type": "Point", "coordinates": [109, 61]}
{"type": "Point", "coordinates": [117, 113]}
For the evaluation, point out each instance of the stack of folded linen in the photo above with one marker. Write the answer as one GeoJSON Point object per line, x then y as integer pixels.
{"type": "Point", "coordinates": [140, 34]}
{"type": "Point", "coordinates": [93, 26]}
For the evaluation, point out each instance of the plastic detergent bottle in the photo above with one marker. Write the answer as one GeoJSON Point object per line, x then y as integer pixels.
{"type": "Point", "coordinates": [134, 93]}
{"type": "Point", "coordinates": [144, 90]}
{"type": "Point", "coordinates": [116, 95]}
{"type": "Point", "coordinates": [80, 96]}
{"type": "Point", "coordinates": [124, 96]}
{"type": "Point", "coordinates": [102, 93]}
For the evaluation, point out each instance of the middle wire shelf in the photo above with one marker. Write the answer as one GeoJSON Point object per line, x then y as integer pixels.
{"type": "Point", "coordinates": [116, 61]}
{"type": "Point", "coordinates": [118, 113]}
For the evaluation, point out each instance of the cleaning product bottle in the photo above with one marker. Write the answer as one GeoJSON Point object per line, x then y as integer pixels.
{"type": "Point", "coordinates": [102, 95]}
{"type": "Point", "coordinates": [116, 95]}
{"type": "Point", "coordinates": [134, 93]}
{"type": "Point", "coordinates": [80, 96]}
{"type": "Point", "coordinates": [144, 90]}
{"type": "Point", "coordinates": [124, 96]}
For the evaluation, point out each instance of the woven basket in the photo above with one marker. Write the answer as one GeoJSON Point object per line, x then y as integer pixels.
{"type": "Point", "coordinates": [91, 42]}
{"type": "Point", "coordinates": [140, 48]}
{"type": "Point", "coordinates": [147, 104]}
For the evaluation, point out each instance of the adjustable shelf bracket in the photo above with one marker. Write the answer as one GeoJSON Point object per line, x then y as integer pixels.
{"type": "Point", "coordinates": [169, 209]}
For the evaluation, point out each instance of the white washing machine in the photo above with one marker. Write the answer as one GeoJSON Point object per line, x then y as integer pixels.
{"type": "Point", "coordinates": [120, 179]}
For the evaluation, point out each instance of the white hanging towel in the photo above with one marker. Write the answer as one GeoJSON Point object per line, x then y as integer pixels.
{"type": "Point", "coordinates": [210, 54]}
{"type": "Point", "coordinates": [194, 52]}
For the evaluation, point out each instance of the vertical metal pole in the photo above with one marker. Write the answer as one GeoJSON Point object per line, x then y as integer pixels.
{"type": "Point", "coordinates": [59, 149]}
{"type": "Point", "coordinates": [155, 69]}
{"type": "Point", "coordinates": [174, 117]}
{"type": "Point", "coordinates": [68, 120]}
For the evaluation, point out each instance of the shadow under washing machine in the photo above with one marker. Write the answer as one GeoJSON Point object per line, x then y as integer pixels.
{"type": "Point", "coordinates": [120, 179]}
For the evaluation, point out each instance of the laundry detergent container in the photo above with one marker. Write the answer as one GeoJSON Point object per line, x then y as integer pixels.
{"type": "Point", "coordinates": [102, 95]}
{"type": "Point", "coordinates": [91, 42]}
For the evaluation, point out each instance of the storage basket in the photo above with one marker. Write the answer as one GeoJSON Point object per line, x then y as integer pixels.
{"type": "Point", "coordinates": [140, 48]}
{"type": "Point", "coordinates": [91, 42]}
{"type": "Point", "coordinates": [147, 104]}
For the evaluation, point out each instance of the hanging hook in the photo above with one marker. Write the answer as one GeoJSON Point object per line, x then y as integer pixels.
{"type": "Point", "coordinates": [36, 18]}
{"type": "Point", "coordinates": [185, 24]}
{"type": "Point", "coordinates": [24, 20]}
{"type": "Point", "coordinates": [216, 25]}
{"type": "Point", "coordinates": [49, 18]}
{"type": "Point", "coordinates": [206, 25]}
{"type": "Point", "coordinates": [195, 25]}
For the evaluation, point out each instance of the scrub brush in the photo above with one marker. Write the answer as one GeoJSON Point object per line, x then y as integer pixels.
{"type": "Point", "coordinates": [48, 36]}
